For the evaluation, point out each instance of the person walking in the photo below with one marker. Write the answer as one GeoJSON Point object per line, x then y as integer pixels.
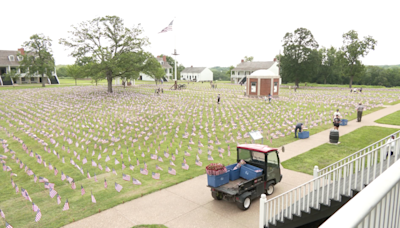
{"type": "Point", "coordinates": [390, 146]}
{"type": "Point", "coordinates": [360, 109]}
{"type": "Point", "coordinates": [269, 97]}
{"type": "Point", "coordinates": [336, 123]}
{"type": "Point", "coordinates": [299, 127]}
{"type": "Point", "coordinates": [218, 98]}
{"type": "Point", "coordinates": [337, 113]}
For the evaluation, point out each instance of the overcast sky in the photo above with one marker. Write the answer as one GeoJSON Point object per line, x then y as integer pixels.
{"type": "Point", "coordinates": [211, 33]}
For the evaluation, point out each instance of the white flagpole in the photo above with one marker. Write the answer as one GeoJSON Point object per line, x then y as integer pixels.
{"type": "Point", "coordinates": [175, 49]}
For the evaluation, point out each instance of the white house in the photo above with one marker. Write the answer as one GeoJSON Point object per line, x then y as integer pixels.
{"type": "Point", "coordinates": [244, 69]}
{"type": "Point", "coordinates": [167, 68]}
{"type": "Point", "coordinates": [9, 60]}
{"type": "Point", "coordinates": [197, 74]}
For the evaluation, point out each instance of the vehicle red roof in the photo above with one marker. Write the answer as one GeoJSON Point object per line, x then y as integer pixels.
{"type": "Point", "coordinates": [257, 147]}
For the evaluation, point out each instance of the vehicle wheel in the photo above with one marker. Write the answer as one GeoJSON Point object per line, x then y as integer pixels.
{"type": "Point", "coordinates": [270, 189]}
{"type": "Point", "coordinates": [217, 195]}
{"type": "Point", "coordinates": [245, 204]}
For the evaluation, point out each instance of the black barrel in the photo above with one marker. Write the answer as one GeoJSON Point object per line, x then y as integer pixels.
{"type": "Point", "coordinates": [334, 136]}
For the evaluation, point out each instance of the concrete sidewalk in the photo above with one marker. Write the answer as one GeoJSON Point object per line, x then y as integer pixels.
{"type": "Point", "coordinates": [189, 204]}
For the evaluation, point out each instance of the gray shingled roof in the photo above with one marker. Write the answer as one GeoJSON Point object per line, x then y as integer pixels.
{"type": "Point", "coordinates": [253, 66]}
{"type": "Point", "coordinates": [4, 58]}
{"type": "Point", "coordinates": [165, 64]}
{"type": "Point", "coordinates": [193, 70]}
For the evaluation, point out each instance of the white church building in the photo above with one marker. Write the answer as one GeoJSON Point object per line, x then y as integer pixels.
{"type": "Point", "coordinates": [197, 74]}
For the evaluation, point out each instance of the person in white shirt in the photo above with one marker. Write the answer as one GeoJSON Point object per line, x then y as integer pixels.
{"type": "Point", "coordinates": [337, 113]}
{"type": "Point", "coordinates": [390, 146]}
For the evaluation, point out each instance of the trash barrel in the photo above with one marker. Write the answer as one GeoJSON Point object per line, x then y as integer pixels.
{"type": "Point", "coordinates": [334, 136]}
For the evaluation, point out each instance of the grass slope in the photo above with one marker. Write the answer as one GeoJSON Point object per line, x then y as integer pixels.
{"type": "Point", "coordinates": [393, 119]}
{"type": "Point", "coordinates": [327, 154]}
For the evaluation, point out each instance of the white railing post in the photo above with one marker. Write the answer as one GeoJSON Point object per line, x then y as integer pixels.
{"type": "Point", "coordinates": [263, 210]}
{"type": "Point", "coordinates": [316, 170]}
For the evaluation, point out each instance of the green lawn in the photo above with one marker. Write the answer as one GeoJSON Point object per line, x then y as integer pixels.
{"type": "Point", "coordinates": [327, 154]}
{"type": "Point", "coordinates": [393, 119]}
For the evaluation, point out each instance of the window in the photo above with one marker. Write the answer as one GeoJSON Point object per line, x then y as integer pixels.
{"type": "Point", "coordinates": [258, 156]}
{"type": "Point", "coordinates": [11, 58]}
{"type": "Point", "coordinates": [253, 87]}
{"type": "Point", "coordinates": [20, 58]}
{"type": "Point", "coordinates": [275, 87]}
{"type": "Point", "coordinates": [233, 72]}
{"type": "Point", "coordinates": [238, 72]}
{"type": "Point", "coordinates": [244, 155]}
{"type": "Point", "coordinates": [273, 159]}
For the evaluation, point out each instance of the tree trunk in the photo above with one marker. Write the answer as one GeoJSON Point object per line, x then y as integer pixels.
{"type": "Point", "coordinates": [325, 81]}
{"type": "Point", "coordinates": [75, 82]}
{"type": "Point", "coordinates": [96, 82]}
{"type": "Point", "coordinates": [296, 82]}
{"type": "Point", "coordinates": [351, 82]}
{"type": "Point", "coordinates": [109, 82]}
{"type": "Point", "coordinates": [43, 84]}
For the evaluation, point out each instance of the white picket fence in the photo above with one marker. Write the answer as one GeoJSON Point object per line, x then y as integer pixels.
{"type": "Point", "coordinates": [380, 202]}
{"type": "Point", "coordinates": [353, 172]}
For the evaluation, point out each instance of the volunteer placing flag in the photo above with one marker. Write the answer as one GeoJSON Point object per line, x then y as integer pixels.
{"type": "Point", "coordinates": [168, 28]}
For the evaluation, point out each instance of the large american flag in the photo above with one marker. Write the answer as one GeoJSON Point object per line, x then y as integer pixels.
{"type": "Point", "coordinates": [118, 187]}
{"type": "Point", "coordinates": [168, 28]}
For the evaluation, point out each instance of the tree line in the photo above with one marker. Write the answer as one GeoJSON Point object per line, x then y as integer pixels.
{"type": "Point", "coordinates": [304, 61]}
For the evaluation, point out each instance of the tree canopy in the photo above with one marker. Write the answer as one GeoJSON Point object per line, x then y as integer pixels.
{"type": "Point", "coordinates": [117, 51]}
{"type": "Point", "coordinates": [38, 57]}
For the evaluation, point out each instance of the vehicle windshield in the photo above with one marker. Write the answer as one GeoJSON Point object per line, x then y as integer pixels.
{"type": "Point", "coordinates": [259, 157]}
{"type": "Point", "coordinates": [244, 155]}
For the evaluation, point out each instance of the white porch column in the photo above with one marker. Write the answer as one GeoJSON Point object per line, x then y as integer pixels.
{"type": "Point", "coordinates": [258, 86]}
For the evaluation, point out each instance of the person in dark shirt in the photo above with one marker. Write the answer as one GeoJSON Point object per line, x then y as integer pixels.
{"type": "Point", "coordinates": [336, 122]}
{"type": "Point", "coordinates": [299, 127]}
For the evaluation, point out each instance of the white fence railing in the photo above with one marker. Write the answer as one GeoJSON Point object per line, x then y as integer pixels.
{"type": "Point", "coordinates": [357, 154]}
{"type": "Point", "coordinates": [380, 202]}
{"type": "Point", "coordinates": [331, 184]}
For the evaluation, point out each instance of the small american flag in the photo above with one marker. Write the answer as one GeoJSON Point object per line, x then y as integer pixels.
{"type": "Point", "coordinates": [185, 166]}
{"type": "Point", "coordinates": [160, 159]}
{"type": "Point", "coordinates": [58, 199]}
{"type": "Point", "coordinates": [82, 190]}
{"type": "Point", "coordinates": [62, 176]}
{"type": "Point", "coordinates": [131, 167]}
{"type": "Point", "coordinates": [66, 206]}
{"type": "Point", "coordinates": [123, 166]}
{"type": "Point", "coordinates": [100, 167]}
{"type": "Point", "coordinates": [30, 172]}
{"type": "Point", "coordinates": [8, 225]}
{"type": "Point", "coordinates": [105, 183]}
{"type": "Point", "coordinates": [94, 163]}
{"type": "Point", "coordinates": [107, 158]}
{"type": "Point", "coordinates": [95, 177]}
{"type": "Point", "coordinates": [88, 174]}
{"type": "Point", "coordinates": [108, 169]}
{"type": "Point", "coordinates": [93, 199]}
{"type": "Point", "coordinates": [126, 177]}
{"type": "Point", "coordinates": [210, 158]}
{"type": "Point", "coordinates": [199, 163]}
{"type": "Point", "coordinates": [116, 161]}
{"type": "Point", "coordinates": [118, 187]}
{"type": "Point", "coordinates": [155, 175]}
{"type": "Point", "coordinates": [55, 171]}
{"type": "Point", "coordinates": [34, 207]}
{"type": "Point", "coordinates": [38, 216]}
{"type": "Point", "coordinates": [135, 181]}
{"type": "Point", "coordinates": [171, 171]}
{"type": "Point", "coordinates": [158, 167]}
{"type": "Point", "coordinates": [137, 161]}
{"type": "Point", "coordinates": [52, 192]}
{"type": "Point", "coordinates": [145, 165]}
{"type": "Point", "coordinates": [143, 171]}
{"type": "Point", "coordinates": [84, 161]}
{"type": "Point", "coordinates": [171, 163]}
{"type": "Point", "coordinates": [115, 172]}
{"type": "Point", "coordinates": [73, 186]}
{"type": "Point", "coordinates": [2, 214]}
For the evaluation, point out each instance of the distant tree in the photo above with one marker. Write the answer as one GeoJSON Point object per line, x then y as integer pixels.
{"type": "Point", "coordinates": [13, 75]}
{"type": "Point", "coordinates": [153, 68]}
{"type": "Point", "coordinates": [114, 46]}
{"type": "Point", "coordinates": [228, 72]}
{"type": "Point", "coordinates": [38, 57]}
{"type": "Point", "coordinates": [352, 50]}
{"type": "Point", "coordinates": [62, 72]}
{"type": "Point", "coordinates": [248, 59]}
{"type": "Point", "coordinates": [328, 60]}
{"type": "Point", "coordinates": [75, 72]}
{"type": "Point", "coordinates": [296, 61]}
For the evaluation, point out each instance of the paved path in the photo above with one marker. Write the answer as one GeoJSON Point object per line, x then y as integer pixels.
{"type": "Point", "coordinates": [189, 204]}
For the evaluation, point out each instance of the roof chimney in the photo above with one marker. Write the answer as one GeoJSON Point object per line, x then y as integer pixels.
{"type": "Point", "coordinates": [274, 59]}
{"type": "Point", "coordinates": [165, 58]}
{"type": "Point", "coordinates": [242, 61]}
{"type": "Point", "coordinates": [191, 66]}
{"type": "Point", "coordinates": [21, 51]}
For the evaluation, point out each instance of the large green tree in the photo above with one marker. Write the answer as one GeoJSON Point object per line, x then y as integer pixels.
{"type": "Point", "coordinates": [154, 69]}
{"type": "Point", "coordinates": [75, 72]}
{"type": "Point", "coordinates": [351, 52]}
{"type": "Point", "coordinates": [297, 60]}
{"type": "Point", "coordinates": [114, 47]}
{"type": "Point", "coordinates": [38, 57]}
